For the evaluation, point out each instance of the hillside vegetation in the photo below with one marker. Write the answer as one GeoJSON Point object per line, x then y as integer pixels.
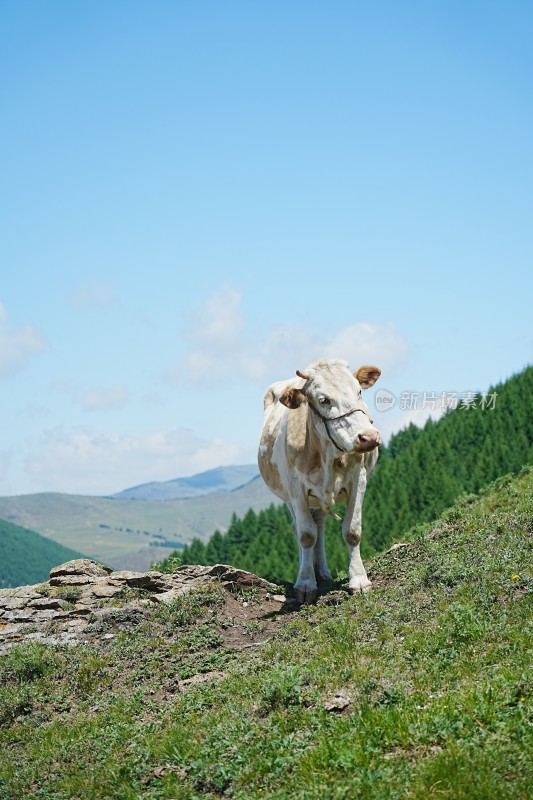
{"type": "Point", "coordinates": [27, 557]}
{"type": "Point", "coordinates": [420, 688]}
{"type": "Point", "coordinates": [419, 474]}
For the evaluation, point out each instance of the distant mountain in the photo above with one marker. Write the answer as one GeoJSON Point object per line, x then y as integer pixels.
{"type": "Point", "coordinates": [129, 534]}
{"type": "Point", "coordinates": [26, 557]}
{"type": "Point", "coordinates": [221, 479]}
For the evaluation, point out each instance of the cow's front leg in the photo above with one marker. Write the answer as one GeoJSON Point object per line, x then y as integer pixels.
{"type": "Point", "coordinates": [351, 529]}
{"type": "Point", "coordinates": [322, 573]}
{"type": "Point", "coordinates": [305, 588]}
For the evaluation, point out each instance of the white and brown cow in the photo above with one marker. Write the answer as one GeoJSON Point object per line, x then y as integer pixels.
{"type": "Point", "coordinates": [318, 447]}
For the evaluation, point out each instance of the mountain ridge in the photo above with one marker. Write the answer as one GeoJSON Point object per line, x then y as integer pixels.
{"type": "Point", "coordinates": [219, 479]}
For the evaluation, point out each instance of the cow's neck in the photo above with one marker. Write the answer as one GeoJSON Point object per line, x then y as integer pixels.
{"type": "Point", "coordinates": [324, 456]}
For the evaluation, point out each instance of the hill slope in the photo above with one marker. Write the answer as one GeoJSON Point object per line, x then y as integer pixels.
{"type": "Point", "coordinates": [420, 688]}
{"type": "Point", "coordinates": [26, 557]}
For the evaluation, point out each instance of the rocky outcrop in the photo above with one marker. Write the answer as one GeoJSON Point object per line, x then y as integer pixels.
{"type": "Point", "coordinates": [80, 593]}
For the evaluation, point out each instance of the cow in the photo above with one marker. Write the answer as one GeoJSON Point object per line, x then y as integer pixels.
{"type": "Point", "coordinates": [318, 447]}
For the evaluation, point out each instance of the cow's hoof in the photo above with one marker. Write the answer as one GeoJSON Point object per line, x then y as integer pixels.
{"type": "Point", "coordinates": [325, 580]}
{"type": "Point", "coordinates": [305, 596]}
{"type": "Point", "coordinates": [359, 585]}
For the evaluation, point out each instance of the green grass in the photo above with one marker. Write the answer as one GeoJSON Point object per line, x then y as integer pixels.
{"type": "Point", "coordinates": [436, 661]}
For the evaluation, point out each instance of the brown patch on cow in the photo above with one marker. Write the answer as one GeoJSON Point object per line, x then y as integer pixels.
{"type": "Point", "coordinates": [307, 539]}
{"type": "Point", "coordinates": [367, 376]}
{"type": "Point", "coordinates": [271, 476]}
{"type": "Point", "coordinates": [292, 398]}
{"type": "Point", "coordinates": [352, 538]}
{"type": "Point", "coordinates": [267, 468]}
{"type": "Point", "coordinates": [270, 472]}
{"type": "Point", "coordinates": [314, 462]}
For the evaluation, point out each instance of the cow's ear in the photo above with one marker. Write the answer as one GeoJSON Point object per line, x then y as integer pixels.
{"type": "Point", "coordinates": [367, 376]}
{"type": "Point", "coordinates": [292, 398]}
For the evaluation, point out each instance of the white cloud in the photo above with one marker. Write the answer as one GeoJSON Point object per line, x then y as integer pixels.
{"type": "Point", "coordinates": [88, 462]}
{"type": "Point", "coordinates": [18, 346]}
{"type": "Point", "coordinates": [106, 399]}
{"type": "Point", "coordinates": [219, 323]}
{"type": "Point", "coordinates": [369, 343]}
{"type": "Point", "coordinates": [93, 294]}
{"type": "Point", "coordinates": [222, 349]}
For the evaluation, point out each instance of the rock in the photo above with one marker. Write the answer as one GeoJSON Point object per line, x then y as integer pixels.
{"type": "Point", "coordinates": [105, 590]}
{"type": "Point", "coordinates": [48, 603]}
{"type": "Point", "coordinates": [397, 546]}
{"type": "Point", "coordinates": [238, 577]}
{"type": "Point", "coordinates": [168, 597]}
{"type": "Point", "coordinates": [151, 581]}
{"type": "Point", "coordinates": [80, 566]}
{"type": "Point", "coordinates": [10, 602]}
{"type": "Point", "coordinates": [41, 612]}
{"type": "Point", "coordinates": [340, 701]}
{"type": "Point", "coordinates": [71, 580]}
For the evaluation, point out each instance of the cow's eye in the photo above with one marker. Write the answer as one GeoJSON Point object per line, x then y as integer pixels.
{"type": "Point", "coordinates": [324, 401]}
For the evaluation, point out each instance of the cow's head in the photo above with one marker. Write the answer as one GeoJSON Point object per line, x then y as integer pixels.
{"type": "Point", "coordinates": [334, 397]}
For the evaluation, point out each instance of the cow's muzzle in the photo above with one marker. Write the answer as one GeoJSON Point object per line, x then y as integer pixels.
{"type": "Point", "coordinates": [367, 440]}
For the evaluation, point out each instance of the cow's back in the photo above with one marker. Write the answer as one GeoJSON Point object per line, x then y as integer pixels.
{"type": "Point", "coordinates": [277, 430]}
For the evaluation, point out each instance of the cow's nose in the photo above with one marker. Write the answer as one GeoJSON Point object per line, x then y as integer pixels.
{"type": "Point", "coordinates": [368, 439]}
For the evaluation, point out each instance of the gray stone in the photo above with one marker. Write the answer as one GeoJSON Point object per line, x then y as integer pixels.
{"type": "Point", "coordinates": [238, 577]}
{"type": "Point", "coordinates": [168, 597]}
{"type": "Point", "coordinates": [151, 581]}
{"type": "Point", "coordinates": [340, 701]}
{"type": "Point", "coordinates": [80, 566]}
{"type": "Point", "coordinates": [71, 580]}
{"type": "Point", "coordinates": [52, 603]}
{"type": "Point", "coordinates": [13, 601]}
{"type": "Point", "coordinates": [105, 590]}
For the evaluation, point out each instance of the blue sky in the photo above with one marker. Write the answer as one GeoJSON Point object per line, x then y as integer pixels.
{"type": "Point", "coordinates": [200, 198]}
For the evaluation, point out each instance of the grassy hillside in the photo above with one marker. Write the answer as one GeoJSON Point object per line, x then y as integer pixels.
{"type": "Point", "coordinates": [26, 557]}
{"type": "Point", "coordinates": [128, 533]}
{"type": "Point", "coordinates": [420, 688]}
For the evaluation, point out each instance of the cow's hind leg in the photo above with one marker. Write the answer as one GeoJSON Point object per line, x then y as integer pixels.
{"type": "Point", "coordinates": [322, 573]}
{"type": "Point", "coordinates": [305, 588]}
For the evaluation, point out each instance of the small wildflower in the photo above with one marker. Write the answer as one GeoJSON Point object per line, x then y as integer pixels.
{"type": "Point", "coordinates": [515, 577]}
